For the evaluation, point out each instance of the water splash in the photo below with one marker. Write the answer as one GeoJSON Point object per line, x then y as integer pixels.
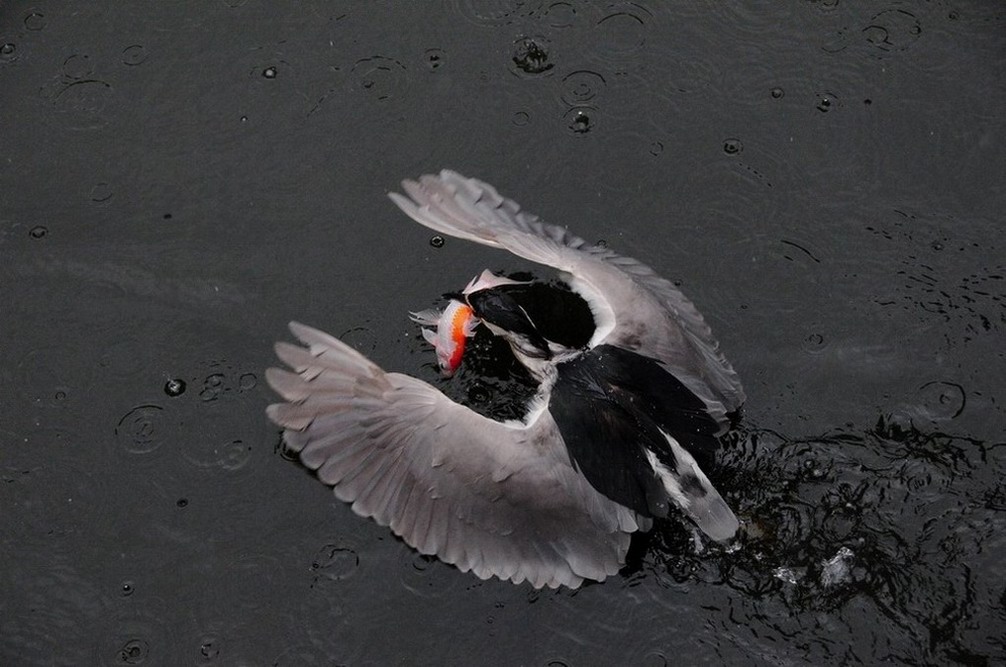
{"type": "Point", "coordinates": [895, 517]}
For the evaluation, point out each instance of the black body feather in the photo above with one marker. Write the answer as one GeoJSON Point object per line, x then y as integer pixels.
{"type": "Point", "coordinates": [610, 405]}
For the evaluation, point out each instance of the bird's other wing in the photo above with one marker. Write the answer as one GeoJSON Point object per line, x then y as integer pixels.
{"type": "Point", "coordinates": [498, 499]}
{"type": "Point", "coordinates": [633, 307]}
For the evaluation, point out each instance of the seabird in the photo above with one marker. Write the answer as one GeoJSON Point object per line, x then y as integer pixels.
{"type": "Point", "coordinates": [612, 439]}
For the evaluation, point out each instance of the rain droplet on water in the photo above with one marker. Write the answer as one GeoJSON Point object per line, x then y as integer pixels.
{"type": "Point", "coordinates": [38, 232]}
{"type": "Point", "coordinates": [101, 192]}
{"type": "Point", "coordinates": [174, 387]}
{"type": "Point", "coordinates": [233, 456]}
{"type": "Point", "coordinates": [777, 93]}
{"type": "Point", "coordinates": [520, 118]}
{"type": "Point", "coordinates": [247, 381]}
{"type": "Point", "coordinates": [422, 562]}
{"type": "Point", "coordinates": [134, 55]}
{"type": "Point", "coordinates": [134, 652]}
{"type": "Point", "coordinates": [878, 36]}
{"type": "Point", "coordinates": [531, 55]}
{"type": "Point", "coordinates": [209, 648]}
{"type": "Point", "coordinates": [78, 66]}
{"type": "Point", "coordinates": [34, 21]}
{"type": "Point", "coordinates": [655, 659]}
{"type": "Point", "coordinates": [581, 86]}
{"type": "Point", "coordinates": [382, 77]}
{"type": "Point", "coordinates": [437, 241]}
{"type": "Point", "coordinates": [892, 29]}
{"type": "Point", "coordinates": [732, 146]}
{"type": "Point", "coordinates": [579, 121]}
{"type": "Point", "coordinates": [335, 561]}
{"type": "Point", "coordinates": [7, 51]}
{"type": "Point", "coordinates": [940, 401]}
{"type": "Point", "coordinates": [623, 31]}
{"type": "Point", "coordinates": [560, 14]}
{"type": "Point", "coordinates": [434, 58]}
{"type": "Point", "coordinates": [138, 431]}
{"type": "Point", "coordinates": [814, 342]}
{"type": "Point", "coordinates": [826, 102]}
{"type": "Point", "coordinates": [269, 72]}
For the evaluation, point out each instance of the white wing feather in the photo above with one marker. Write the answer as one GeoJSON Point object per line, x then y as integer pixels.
{"type": "Point", "coordinates": [633, 307]}
{"type": "Point", "coordinates": [498, 499]}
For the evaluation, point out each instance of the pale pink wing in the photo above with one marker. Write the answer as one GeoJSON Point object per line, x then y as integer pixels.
{"type": "Point", "coordinates": [499, 499]}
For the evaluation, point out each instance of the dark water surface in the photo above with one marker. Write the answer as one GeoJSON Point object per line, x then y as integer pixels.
{"type": "Point", "coordinates": [177, 181]}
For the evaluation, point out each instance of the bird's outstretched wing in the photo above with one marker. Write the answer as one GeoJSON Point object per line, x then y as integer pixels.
{"type": "Point", "coordinates": [633, 307]}
{"type": "Point", "coordinates": [499, 499]}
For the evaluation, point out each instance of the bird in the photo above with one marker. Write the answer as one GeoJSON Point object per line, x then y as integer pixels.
{"type": "Point", "coordinates": [612, 439]}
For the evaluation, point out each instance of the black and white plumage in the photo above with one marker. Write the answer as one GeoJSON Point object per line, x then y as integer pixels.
{"type": "Point", "coordinates": [609, 442]}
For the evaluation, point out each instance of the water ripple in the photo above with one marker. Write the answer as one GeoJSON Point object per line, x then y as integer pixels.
{"type": "Point", "coordinates": [134, 641]}
{"type": "Point", "coordinates": [581, 87]}
{"type": "Point", "coordinates": [622, 31]}
{"type": "Point", "coordinates": [499, 12]}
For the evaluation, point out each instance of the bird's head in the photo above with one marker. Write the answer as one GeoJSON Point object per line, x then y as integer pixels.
{"type": "Point", "coordinates": [491, 300]}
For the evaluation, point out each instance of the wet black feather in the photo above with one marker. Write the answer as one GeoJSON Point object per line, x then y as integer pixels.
{"type": "Point", "coordinates": [610, 405]}
{"type": "Point", "coordinates": [496, 306]}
